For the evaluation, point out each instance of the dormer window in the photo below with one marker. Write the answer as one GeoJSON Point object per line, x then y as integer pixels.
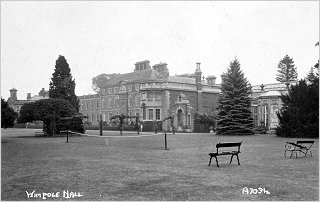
{"type": "Point", "coordinates": [122, 88]}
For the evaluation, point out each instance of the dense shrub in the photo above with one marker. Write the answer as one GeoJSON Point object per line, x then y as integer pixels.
{"type": "Point", "coordinates": [299, 115]}
{"type": "Point", "coordinates": [149, 126]}
{"type": "Point", "coordinates": [19, 125]}
{"type": "Point", "coordinates": [50, 111]}
{"type": "Point", "coordinates": [8, 115]}
{"type": "Point", "coordinates": [203, 122]}
{"type": "Point", "coordinates": [114, 128]}
{"type": "Point", "coordinates": [260, 130]}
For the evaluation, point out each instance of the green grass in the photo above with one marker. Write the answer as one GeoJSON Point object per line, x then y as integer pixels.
{"type": "Point", "coordinates": [138, 168]}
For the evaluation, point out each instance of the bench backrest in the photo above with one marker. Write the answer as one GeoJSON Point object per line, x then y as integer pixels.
{"type": "Point", "coordinates": [229, 144]}
{"type": "Point", "coordinates": [305, 142]}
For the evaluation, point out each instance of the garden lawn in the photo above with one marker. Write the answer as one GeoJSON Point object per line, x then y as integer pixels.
{"type": "Point", "coordinates": [138, 168]}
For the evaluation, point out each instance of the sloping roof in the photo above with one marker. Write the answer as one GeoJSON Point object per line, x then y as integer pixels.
{"type": "Point", "coordinates": [38, 97]}
{"type": "Point", "coordinates": [185, 75]}
{"type": "Point", "coordinates": [271, 87]}
{"type": "Point", "coordinates": [178, 79]}
{"type": "Point", "coordinates": [141, 76]}
{"type": "Point", "coordinates": [271, 93]}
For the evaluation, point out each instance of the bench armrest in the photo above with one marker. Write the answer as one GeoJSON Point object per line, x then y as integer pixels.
{"type": "Point", "coordinates": [296, 145]}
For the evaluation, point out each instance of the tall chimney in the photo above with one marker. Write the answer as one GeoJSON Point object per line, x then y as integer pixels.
{"type": "Point", "coordinates": [28, 96]}
{"type": "Point", "coordinates": [142, 65]}
{"type": "Point", "coordinates": [198, 74]}
{"type": "Point", "coordinates": [13, 93]}
{"type": "Point", "coordinates": [162, 69]}
{"type": "Point", "coordinates": [199, 88]}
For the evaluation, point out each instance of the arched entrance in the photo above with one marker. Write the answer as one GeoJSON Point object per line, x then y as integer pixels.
{"type": "Point", "coordinates": [180, 119]}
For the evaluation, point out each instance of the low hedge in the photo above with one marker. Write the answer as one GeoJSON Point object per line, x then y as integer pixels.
{"type": "Point", "coordinates": [19, 125]}
{"type": "Point", "coordinates": [114, 128]}
{"type": "Point", "coordinates": [149, 126]}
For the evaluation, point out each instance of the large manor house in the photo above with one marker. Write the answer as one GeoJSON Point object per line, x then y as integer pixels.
{"type": "Point", "coordinates": [152, 94]}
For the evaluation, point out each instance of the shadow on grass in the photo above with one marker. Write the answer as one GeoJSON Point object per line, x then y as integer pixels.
{"type": "Point", "coordinates": [32, 137]}
{"type": "Point", "coordinates": [4, 141]}
{"type": "Point", "coordinates": [223, 167]}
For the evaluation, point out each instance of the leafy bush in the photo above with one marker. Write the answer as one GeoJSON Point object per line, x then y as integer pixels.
{"type": "Point", "coordinates": [50, 111]}
{"type": "Point", "coordinates": [299, 115]}
{"type": "Point", "coordinates": [203, 123]}
{"type": "Point", "coordinates": [8, 115]}
{"type": "Point", "coordinates": [114, 128]}
{"type": "Point", "coordinates": [260, 130]}
{"type": "Point", "coordinates": [150, 126]}
{"type": "Point", "coordinates": [19, 125]}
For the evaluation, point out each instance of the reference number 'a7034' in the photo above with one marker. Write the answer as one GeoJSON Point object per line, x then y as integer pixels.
{"type": "Point", "coordinates": [259, 190]}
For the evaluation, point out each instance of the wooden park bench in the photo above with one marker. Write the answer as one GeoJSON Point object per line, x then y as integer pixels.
{"type": "Point", "coordinates": [229, 152]}
{"type": "Point", "coordinates": [40, 134]}
{"type": "Point", "coordinates": [301, 147]}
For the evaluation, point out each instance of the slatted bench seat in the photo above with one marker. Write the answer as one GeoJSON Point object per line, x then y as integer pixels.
{"type": "Point", "coordinates": [300, 147]}
{"type": "Point", "coordinates": [232, 152]}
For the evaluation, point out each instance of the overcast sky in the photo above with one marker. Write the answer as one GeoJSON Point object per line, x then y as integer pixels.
{"type": "Point", "coordinates": [109, 37]}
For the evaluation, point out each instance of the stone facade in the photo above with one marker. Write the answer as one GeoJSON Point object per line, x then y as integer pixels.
{"type": "Point", "coordinates": [153, 95]}
{"type": "Point", "coordinates": [266, 102]}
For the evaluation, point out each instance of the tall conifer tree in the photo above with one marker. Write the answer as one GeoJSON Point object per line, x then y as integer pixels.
{"type": "Point", "coordinates": [62, 85]}
{"type": "Point", "coordinates": [234, 117]}
{"type": "Point", "coordinates": [311, 75]}
{"type": "Point", "coordinates": [286, 70]}
{"type": "Point", "coordinates": [299, 115]}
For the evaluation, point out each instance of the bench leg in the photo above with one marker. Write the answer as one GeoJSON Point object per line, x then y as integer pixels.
{"type": "Point", "coordinates": [210, 160]}
{"type": "Point", "coordinates": [238, 159]}
{"type": "Point", "coordinates": [231, 158]}
{"type": "Point", "coordinates": [291, 154]}
{"type": "Point", "coordinates": [217, 162]}
{"type": "Point", "coordinates": [306, 153]}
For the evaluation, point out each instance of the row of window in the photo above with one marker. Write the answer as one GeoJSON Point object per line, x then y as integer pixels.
{"type": "Point", "coordinates": [95, 117]}
{"type": "Point", "coordinates": [122, 88]}
{"type": "Point", "coordinates": [111, 103]}
{"type": "Point", "coordinates": [133, 101]}
{"type": "Point", "coordinates": [117, 102]}
{"type": "Point", "coordinates": [151, 96]}
{"type": "Point", "coordinates": [153, 114]}
{"type": "Point", "coordinates": [147, 114]}
{"type": "Point", "coordinates": [263, 112]}
{"type": "Point", "coordinates": [95, 104]}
